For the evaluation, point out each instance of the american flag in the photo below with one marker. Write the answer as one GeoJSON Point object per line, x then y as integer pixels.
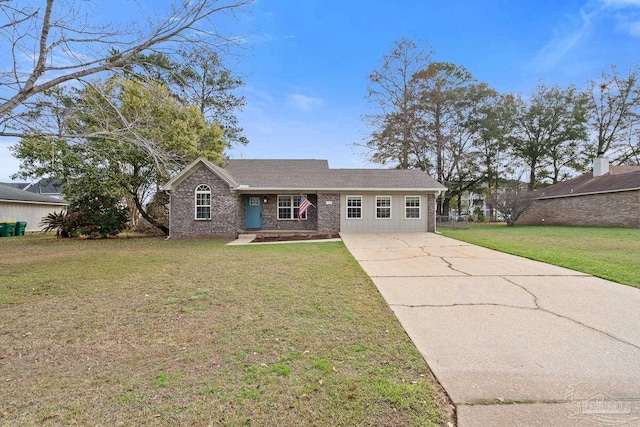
{"type": "Point", "coordinates": [304, 205]}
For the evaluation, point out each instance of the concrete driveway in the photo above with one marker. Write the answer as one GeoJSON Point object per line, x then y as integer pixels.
{"type": "Point", "coordinates": [514, 342]}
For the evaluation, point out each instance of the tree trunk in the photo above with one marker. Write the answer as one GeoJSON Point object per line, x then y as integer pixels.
{"type": "Point", "coordinates": [532, 175]}
{"type": "Point", "coordinates": [444, 205]}
{"type": "Point", "coordinates": [148, 217]}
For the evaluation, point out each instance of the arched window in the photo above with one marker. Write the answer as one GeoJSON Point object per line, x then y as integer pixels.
{"type": "Point", "coordinates": [203, 202]}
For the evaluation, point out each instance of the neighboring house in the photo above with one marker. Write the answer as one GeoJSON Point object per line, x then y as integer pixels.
{"type": "Point", "coordinates": [20, 205]}
{"type": "Point", "coordinates": [46, 186]}
{"type": "Point", "coordinates": [608, 196]}
{"type": "Point", "coordinates": [251, 195]}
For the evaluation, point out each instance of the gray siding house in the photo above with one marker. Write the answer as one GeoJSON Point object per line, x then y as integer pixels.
{"type": "Point", "coordinates": [21, 205]}
{"type": "Point", "coordinates": [207, 200]}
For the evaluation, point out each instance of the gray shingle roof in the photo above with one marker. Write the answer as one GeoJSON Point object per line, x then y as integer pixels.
{"type": "Point", "coordinates": [11, 193]}
{"type": "Point", "coordinates": [18, 185]}
{"type": "Point", "coordinates": [316, 174]}
{"type": "Point", "coordinates": [277, 173]}
{"type": "Point", "coordinates": [46, 186]}
{"type": "Point", "coordinates": [587, 184]}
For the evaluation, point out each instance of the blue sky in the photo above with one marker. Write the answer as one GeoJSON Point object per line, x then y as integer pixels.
{"type": "Point", "coordinates": [305, 63]}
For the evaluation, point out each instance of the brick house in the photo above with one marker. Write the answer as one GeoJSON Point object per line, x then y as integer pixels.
{"type": "Point", "coordinates": [607, 196]}
{"type": "Point", "coordinates": [207, 200]}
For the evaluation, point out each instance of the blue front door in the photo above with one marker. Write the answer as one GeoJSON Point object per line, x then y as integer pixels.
{"type": "Point", "coordinates": [254, 211]}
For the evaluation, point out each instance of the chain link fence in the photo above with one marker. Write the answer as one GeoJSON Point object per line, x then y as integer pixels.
{"type": "Point", "coordinates": [452, 221]}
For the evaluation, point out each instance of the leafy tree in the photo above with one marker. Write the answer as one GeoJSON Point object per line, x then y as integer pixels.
{"type": "Point", "coordinates": [442, 89]}
{"type": "Point", "coordinates": [125, 139]}
{"type": "Point", "coordinates": [491, 122]}
{"type": "Point", "coordinates": [205, 82]}
{"type": "Point", "coordinates": [393, 90]}
{"type": "Point", "coordinates": [448, 94]}
{"type": "Point", "coordinates": [67, 47]}
{"type": "Point", "coordinates": [199, 78]}
{"type": "Point", "coordinates": [547, 130]}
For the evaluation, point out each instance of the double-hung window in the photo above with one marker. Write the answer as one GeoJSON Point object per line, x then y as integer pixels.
{"type": "Point", "coordinates": [288, 208]}
{"type": "Point", "coordinates": [383, 207]}
{"type": "Point", "coordinates": [354, 207]}
{"type": "Point", "coordinates": [203, 202]}
{"type": "Point", "coordinates": [412, 207]}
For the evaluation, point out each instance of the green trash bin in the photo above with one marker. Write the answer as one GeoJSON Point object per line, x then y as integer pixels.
{"type": "Point", "coordinates": [7, 229]}
{"type": "Point", "coordinates": [21, 228]}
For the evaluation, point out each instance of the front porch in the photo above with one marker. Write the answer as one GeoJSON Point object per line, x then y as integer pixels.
{"type": "Point", "coordinates": [264, 213]}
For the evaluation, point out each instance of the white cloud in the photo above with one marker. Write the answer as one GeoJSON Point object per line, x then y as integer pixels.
{"type": "Point", "coordinates": [564, 41]}
{"type": "Point", "coordinates": [620, 3]}
{"type": "Point", "coordinates": [626, 14]}
{"type": "Point", "coordinates": [303, 102]}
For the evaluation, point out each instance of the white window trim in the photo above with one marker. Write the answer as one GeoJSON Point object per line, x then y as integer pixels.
{"type": "Point", "coordinates": [346, 203]}
{"type": "Point", "coordinates": [413, 207]}
{"type": "Point", "coordinates": [292, 208]}
{"type": "Point", "coordinates": [390, 207]}
{"type": "Point", "coordinates": [196, 205]}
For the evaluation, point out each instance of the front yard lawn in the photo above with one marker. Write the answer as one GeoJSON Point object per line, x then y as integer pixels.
{"type": "Point", "coordinates": [142, 331]}
{"type": "Point", "coordinates": [610, 253]}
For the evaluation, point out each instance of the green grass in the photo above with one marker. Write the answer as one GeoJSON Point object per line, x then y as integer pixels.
{"type": "Point", "coordinates": [610, 253]}
{"type": "Point", "coordinates": [142, 331]}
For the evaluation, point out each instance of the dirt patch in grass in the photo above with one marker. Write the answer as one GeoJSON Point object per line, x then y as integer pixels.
{"type": "Point", "coordinates": [155, 332]}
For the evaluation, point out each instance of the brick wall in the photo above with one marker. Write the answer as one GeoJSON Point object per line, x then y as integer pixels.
{"type": "Point", "coordinates": [328, 214]}
{"type": "Point", "coordinates": [270, 219]}
{"type": "Point", "coordinates": [620, 209]}
{"type": "Point", "coordinates": [431, 212]}
{"type": "Point", "coordinates": [224, 208]}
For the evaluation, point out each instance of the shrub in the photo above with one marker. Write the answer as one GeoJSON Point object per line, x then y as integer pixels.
{"type": "Point", "coordinates": [58, 222]}
{"type": "Point", "coordinates": [91, 215]}
{"type": "Point", "coordinates": [97, 216]}
{"type": "Point", "coordinates": [513, 203]}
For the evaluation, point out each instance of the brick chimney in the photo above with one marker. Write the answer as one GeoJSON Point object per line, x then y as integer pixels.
{"type": "Point", "coordinates": [600, 166]}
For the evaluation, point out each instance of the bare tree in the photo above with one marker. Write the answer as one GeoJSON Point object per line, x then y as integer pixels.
{"type": "Point", "coordinates": [512, 203]}
{"type": "Point", "coordinates": [49, 43]}
{"type": "Point", "coordinates": [614, 105]}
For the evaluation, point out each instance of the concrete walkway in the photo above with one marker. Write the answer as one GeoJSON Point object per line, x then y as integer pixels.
{"type": "Point", "coordinates": [514, 342]}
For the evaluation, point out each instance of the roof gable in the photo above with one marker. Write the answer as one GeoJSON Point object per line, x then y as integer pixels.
{"type": "Point", "coordinates": [200, 161]}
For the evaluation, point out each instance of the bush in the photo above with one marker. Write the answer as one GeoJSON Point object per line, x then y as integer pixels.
{"type": "Point", "coordinates": [513, 203]}
{"type": "Point", "coordinates": [58, 222]}
{"type": "Point", "coordinates": [97, 216]}
{"type": "Point", "coordinates": [91, 215]}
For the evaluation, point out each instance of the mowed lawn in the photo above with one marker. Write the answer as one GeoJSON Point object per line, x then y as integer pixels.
{"type": "Point", "coordinates": [143, 331]}
{"type": "Point", "coordinates": [610, 253]}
